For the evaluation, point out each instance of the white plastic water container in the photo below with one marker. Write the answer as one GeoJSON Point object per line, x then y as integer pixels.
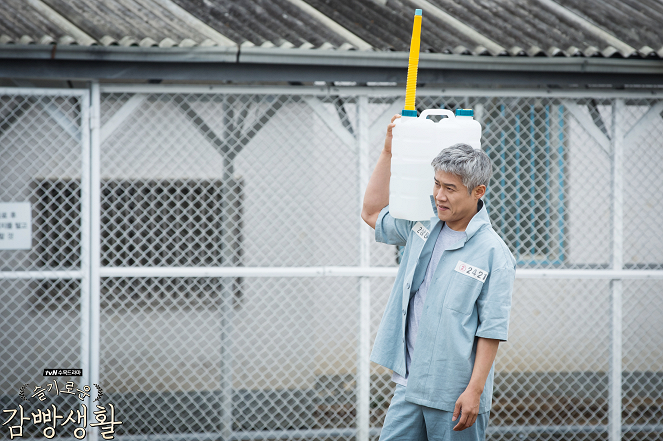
{"type": "Point", "coordinates": [416, 142]}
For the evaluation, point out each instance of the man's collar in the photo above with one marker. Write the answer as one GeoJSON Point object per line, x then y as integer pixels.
{"type": "Point", "coordinates": [480, 219]}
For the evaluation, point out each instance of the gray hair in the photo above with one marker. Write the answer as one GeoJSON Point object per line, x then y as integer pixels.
{"type": "Point", "coordinates": [473, 166]}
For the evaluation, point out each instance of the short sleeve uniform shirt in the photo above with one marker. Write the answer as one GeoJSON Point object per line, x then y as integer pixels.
{"type": "Point", "coordinates": [468, 296]}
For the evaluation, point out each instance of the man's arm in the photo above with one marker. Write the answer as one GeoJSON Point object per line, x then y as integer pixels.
{"type": "Point", "coordinates": [469, 400]}
{"type": "Point", "coordinates": [377, 190]}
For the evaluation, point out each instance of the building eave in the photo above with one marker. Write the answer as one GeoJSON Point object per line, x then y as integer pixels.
{"type": "Point", "coordinates": [276, 64]}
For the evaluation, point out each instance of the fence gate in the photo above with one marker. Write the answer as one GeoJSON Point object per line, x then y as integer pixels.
{"type": "Point", "coordinates": [44, 249]}
{"type": "Point", "coordinates": [199, 252]}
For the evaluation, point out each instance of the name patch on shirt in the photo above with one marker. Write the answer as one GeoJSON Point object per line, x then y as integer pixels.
{"type": "Point", "coordinates": [472, 271]}
{"type": "Point", "coordinates": [420, 230]}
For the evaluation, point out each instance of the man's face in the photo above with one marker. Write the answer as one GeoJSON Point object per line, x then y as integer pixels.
{"type": "Point", "coordinates": [452, 199]}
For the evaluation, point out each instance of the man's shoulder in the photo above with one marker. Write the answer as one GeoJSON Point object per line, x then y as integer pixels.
{"type": "Point", "coordinates": [493, 243]}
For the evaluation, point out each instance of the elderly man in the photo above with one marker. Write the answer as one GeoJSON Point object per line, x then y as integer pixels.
{"type": "Point", "coordinates": [449, 307]}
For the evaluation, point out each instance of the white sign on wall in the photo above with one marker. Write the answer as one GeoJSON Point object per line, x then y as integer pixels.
{"type": "Point", "coordinates": [15, 226]}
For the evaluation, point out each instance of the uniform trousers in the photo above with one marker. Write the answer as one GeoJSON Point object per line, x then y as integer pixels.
{"type": "Point", "coordinates": [406, 421]}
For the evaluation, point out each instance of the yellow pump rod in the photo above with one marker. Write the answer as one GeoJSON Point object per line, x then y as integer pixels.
{"type": "Point", "coordinates": [413, 65]}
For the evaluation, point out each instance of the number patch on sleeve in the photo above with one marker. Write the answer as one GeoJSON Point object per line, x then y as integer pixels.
{"type": "Point", "coordinates": [472, 271]}
{"type": "Point", "coordinates": [420, 230]}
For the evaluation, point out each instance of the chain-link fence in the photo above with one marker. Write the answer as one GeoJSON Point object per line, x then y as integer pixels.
{"type": "Point", "coordinates": [44, 279]}
{"type": "Point", "coordinates": [200, 254]}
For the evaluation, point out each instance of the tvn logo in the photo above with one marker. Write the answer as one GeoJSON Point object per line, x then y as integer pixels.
{"type": "Point", "coordinates": [63, 372]}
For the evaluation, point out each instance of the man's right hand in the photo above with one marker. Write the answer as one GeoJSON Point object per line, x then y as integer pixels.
{"type": "Point", "coordinates": [390, 136]}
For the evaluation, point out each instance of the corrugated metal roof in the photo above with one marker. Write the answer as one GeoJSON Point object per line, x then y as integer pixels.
{"type": "Point", "coordinates": [636, 22]}
{"type": "Point", "coordinates": [589, 28]}
{"type": "Point", "coordinates": [263, 23]}
{"type": "Point", "coordinates": [523, 27]}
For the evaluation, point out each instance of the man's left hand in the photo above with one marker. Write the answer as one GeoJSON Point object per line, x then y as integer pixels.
{"type": "Point", "coordinates": [467, 406]}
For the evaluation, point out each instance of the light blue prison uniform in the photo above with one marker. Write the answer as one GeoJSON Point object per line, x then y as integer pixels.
{"type": "Point", "coordinates": [469, 296]}
{"type": "Point", "coordinates": [445, 239]}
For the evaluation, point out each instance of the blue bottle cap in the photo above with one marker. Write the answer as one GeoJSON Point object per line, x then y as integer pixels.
{"type": "Point", "coordinates": [409, 113]}
{"type": "Point", "coordinates": [417, 12]}
{"type": "Point", "coordinates": [464, 112]}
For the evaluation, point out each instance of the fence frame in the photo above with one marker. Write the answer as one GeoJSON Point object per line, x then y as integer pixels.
{"type": "Point", "coordinates": [88, 338]}
{"type": "Point", "coordinates": [92, 134]}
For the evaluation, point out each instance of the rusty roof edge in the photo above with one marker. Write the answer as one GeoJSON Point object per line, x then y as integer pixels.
{"type": "Point", "coordinates": [196, 54]}
{"type": "Point", "coordinates": [388, 59]}
{"type": "Point", "coordinates": [312, 57]}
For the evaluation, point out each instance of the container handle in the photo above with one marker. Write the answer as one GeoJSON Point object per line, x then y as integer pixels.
{"type": "Point", "coordinates": [446, 112]}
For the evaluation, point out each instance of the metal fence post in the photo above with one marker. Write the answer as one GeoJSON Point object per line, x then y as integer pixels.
{"type": "Point", "coordinates": [226, 283]}
{"type": "Point", "coordinates": [95, 241]}
{"type": "Point", "coordinates": [363, 353]}
{"type": "Point", "coordinates": [85, 243]}
{"type": "Point", "coordinates": [615, 379]}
